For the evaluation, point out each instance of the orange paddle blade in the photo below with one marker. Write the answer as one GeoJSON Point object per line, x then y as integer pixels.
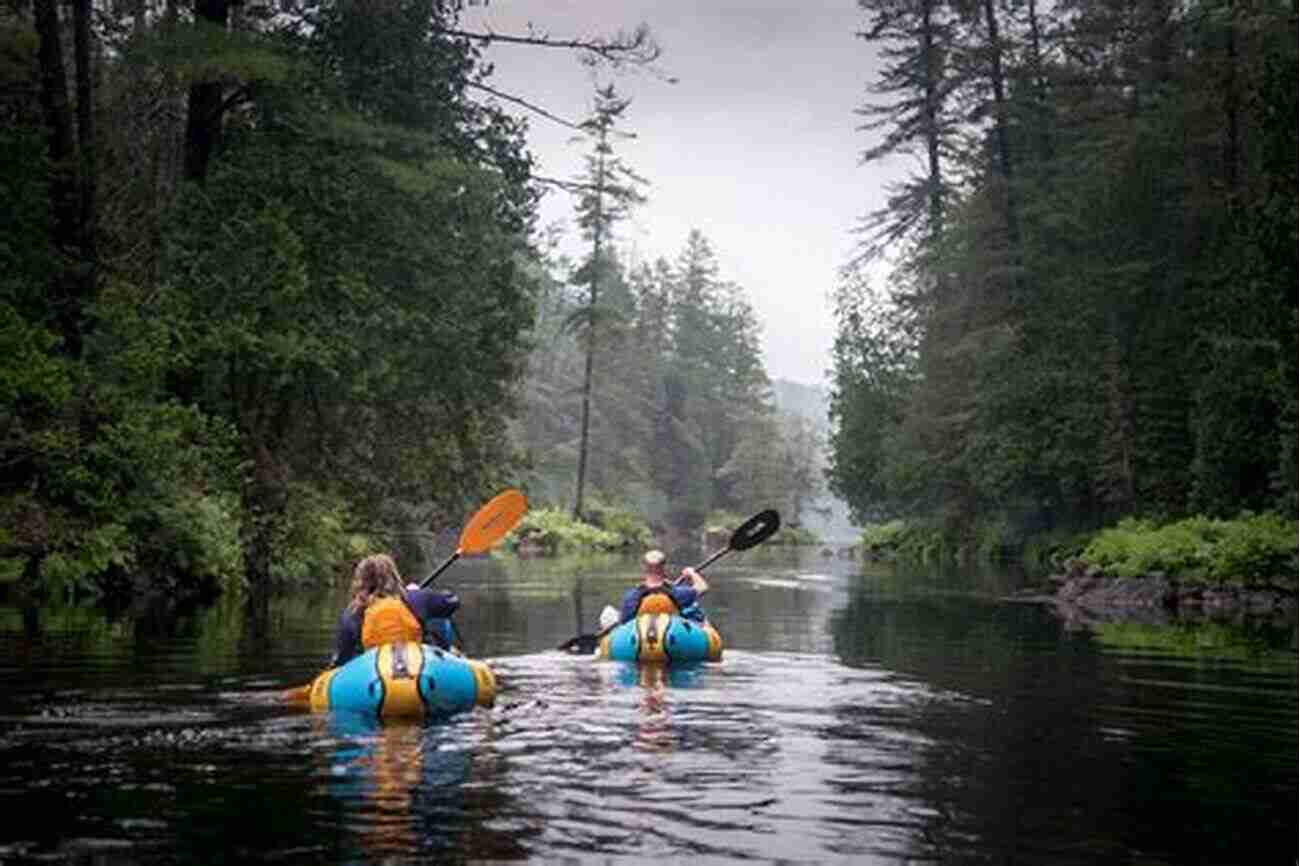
{"type": "Point", "coordinates": [491, 522]}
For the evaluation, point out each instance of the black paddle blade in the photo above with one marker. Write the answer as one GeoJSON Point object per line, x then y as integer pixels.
{"type": "Point", "coordinates": [755, 530]}
{"type": "Point", "coordinates": [583, 644]}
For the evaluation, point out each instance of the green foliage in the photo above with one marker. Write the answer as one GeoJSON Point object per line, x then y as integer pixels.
{"type": "Point", "coordinates": [1194, 640]}
{"type": "Point", "coordinates": [681, 418]}
{"type": "Point", "coordinates": [924, 541]}
{"type": "Point", "coordinates": [143, 497]}
{"type": "Point", "coordinates": [882, 537]}
{"type": "Point", "coordinates": [313, 542]}
{"type": "Point", "coordinates": [609, 190]}
{"type": "Point", "coordinates": [1093, 316]}
{"type": "Point", "coordinates": [722, 521]}
{"type": "Point", "coordinates": [794, 536]}
{"type": "Point", "coordinates": [101, 549]}
{"type": "Point", "coordinates": [325, 332]}
{"type": "Point", "coordinates": [1049, 552]}
{"type": "Point", "coordinates": [555, 531]}
{"type": "Point", "coordinates": [628, 526]}
{"type": "Point", "coordinates": [1138, 547]}
{"type": "Point", "coordinates": [199, 50]}
{"type": "Point", "coordinates": [1254, 548]}
{"type": "Point", "coordinates": [308, 292]}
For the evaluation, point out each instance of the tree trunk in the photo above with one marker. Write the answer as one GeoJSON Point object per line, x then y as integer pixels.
{"type": "Point", "coordinates": [997, 80]}
{"type": "Point", "coordinates": [1039, 84]}
{"type": "Point", "coordinates": [86, 143]}
{"type": "Point", "coordinates": [65, 202]}
{"type": "Point", "coordinates": [583, 436]}
{"type": "Point", "coordinates": [204, 118]}
{"type": "Point", "coordinates": [932, 132]}
{"type": "Point", "coordinates": [1232, 131]}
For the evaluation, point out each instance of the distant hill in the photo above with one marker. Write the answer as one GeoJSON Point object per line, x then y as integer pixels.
{"type": "Point", "coordinates": [813, 402]}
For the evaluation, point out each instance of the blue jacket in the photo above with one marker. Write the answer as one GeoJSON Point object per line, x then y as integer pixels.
{"type": "Point", "coordinates": [431, 608]}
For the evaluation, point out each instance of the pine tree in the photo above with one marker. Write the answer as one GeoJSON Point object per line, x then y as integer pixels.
{"type": "Point", "coordinates": [609, 190]}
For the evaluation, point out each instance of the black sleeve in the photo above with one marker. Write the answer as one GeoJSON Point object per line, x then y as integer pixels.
{"type": "Point", "coordinates": [348, 643]}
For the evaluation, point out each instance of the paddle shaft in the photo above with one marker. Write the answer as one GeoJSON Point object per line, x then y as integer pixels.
{"type": "Point", "coordinates": [488, 526]}
{"type": "Point", "coordinates": [705, 564]}
{"type": "Point", "coordinates": [439, 570]}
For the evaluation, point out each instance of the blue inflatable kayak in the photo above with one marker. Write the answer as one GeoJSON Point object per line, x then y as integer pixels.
{"type": "Point", "coordinates": [405, 679]}
{"type": "Point", "coordinates": [661, 637]}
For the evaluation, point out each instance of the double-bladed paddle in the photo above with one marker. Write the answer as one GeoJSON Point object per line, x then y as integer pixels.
{"type": "Point", "coordinates": [753, 531]}
{"type": "Point", "coordinates": [488, 526]}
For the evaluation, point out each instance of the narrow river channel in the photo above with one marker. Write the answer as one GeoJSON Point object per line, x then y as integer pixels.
{"type": "Point", "coordinates": [859, 716]}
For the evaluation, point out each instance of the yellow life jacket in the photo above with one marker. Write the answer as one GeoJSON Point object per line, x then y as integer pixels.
{"type": "Point", "coordinates": [389, 620]}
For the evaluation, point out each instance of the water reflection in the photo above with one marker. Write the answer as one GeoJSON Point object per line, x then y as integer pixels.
{"type": "Point", "coordinates": [407, 791]}
{"type": "Point", "coordinates": [655, 733]}
{"type": "Point", "coordinates": [1046, 750]}
{"type": "Point", "coordinates": [857, 717]}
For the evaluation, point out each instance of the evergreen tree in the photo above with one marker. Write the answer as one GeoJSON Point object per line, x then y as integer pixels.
{"type": "Point", "coordinates": [609, 189]}
{"type": "Point", "coordinates": [1096, 332]}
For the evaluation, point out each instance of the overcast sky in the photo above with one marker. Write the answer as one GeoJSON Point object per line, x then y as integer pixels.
{"type": "Point", "coordinates": [755, 145]}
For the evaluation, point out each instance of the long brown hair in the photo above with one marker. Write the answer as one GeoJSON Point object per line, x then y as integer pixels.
{"type": "Point", "coordinates": [374, 577]}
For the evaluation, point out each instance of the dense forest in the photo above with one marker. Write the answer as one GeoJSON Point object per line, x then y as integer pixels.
{"type": "Point", "coordinates": [272, 290]}
{"type": "Point", "coordinates": [1090, 308]}
{"type": "Point", "coordinates": [682, 423]}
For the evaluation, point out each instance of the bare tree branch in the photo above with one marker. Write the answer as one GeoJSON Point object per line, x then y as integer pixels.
{"type": "Point", "coordinates": [637, 47]}
{"type": "Point", "coordinates": [566, 185]}
{"type": "Point", "coordinates": [526, 104]}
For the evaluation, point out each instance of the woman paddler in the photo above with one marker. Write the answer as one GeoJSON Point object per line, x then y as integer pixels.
{"type": "Point", "coordinates": [381, 611]}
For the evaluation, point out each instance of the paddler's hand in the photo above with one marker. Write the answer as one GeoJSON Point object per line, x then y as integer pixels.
{"type": "Point", "coordinates": [696, 580]}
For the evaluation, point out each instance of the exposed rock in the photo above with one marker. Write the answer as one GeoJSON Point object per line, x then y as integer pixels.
{"type": "Point", "coordinates": [1086, 593]}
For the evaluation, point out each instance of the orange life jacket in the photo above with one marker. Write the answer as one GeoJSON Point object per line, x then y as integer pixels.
{"type": "Point", "coordinates": [389, 620]}
{"type": "Point", "coordinates": [656, 600]}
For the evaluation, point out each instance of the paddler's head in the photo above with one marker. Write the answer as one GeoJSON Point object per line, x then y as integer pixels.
{"type": "Point", "coordinates": [654, 566]}
{"type": "Point", "coordinates": [374, 577]}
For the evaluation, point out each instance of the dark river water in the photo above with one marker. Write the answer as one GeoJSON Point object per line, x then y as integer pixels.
{"type": "Point", "coordinates": [859, 716]}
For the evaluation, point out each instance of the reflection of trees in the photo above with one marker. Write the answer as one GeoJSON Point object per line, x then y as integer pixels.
{"type": "Point", "coordinates": [1033, 747]}
{"type": "Point", "coordinates": [1006, 748]}
{"type": "Point", "coordinates": [766, 618]}
{"type": "Point", "coordinates": [511, 606]}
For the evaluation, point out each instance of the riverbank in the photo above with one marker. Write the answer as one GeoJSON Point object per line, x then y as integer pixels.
{"type": "Point", "coordinates": [1087, 594]}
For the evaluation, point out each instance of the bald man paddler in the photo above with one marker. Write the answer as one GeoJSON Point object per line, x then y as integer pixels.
{"type": "Point", "coordinates": [655, 594]}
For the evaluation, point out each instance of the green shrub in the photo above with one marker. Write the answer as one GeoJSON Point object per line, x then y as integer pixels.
{"type": "Point", "coordinates": [1256, 548]}
{"type": "Point", "coordinates": [794, 536]}
{"type": "Point", "coordinates": [556, 531]}
{"type": "Point", "coordinates": [922, 542]}
{"type": "Point", "coordinates": [631, 528]}
{"type": "Point", "coordinates": [313, 542]}
{"type": "Point", "coordinates": [1050, 552]}
{"type": "Point", "coordinates": [103, 549]}
{"type": "Point", "coordinates": [1251, 549]}
{"type": "Point", "coordinates": [198, 537]}
{"type": "Point", "coordinates": [883, 537]}
{"type": "Point", "coordinates": [719, 522]}
{"type": "Point", "coordinates": [1136, 547]}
